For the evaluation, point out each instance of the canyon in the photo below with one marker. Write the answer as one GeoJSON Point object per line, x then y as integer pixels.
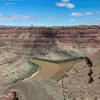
{"type": "Point", "coordinates": [51, 42]}
{"type": "Point", "coordinates": [49, 62]}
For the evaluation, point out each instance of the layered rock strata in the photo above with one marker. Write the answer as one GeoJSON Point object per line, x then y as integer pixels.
{"type": "Point", "coordinates": [62, 42]}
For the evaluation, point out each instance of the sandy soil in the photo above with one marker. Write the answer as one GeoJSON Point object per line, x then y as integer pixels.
{"type": "Point", "coordinates": [52, 70]}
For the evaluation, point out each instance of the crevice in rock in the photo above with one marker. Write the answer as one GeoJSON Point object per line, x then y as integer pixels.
{"type": "Point", "coordinates": [90, 65]}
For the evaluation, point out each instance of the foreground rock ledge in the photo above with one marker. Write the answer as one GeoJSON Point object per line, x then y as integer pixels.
{"type": "Point", "coordinates": [36, 89]}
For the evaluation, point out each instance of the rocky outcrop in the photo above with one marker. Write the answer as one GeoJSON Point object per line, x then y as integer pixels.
{"type": "Point", "coordinates": [42, 41]}
{"type": "Point", "coordinates": [36, 89]}
{"type": "Point", "coordinates": [82, 83]}
{"type": "Point", "coordinates": [13, 68]}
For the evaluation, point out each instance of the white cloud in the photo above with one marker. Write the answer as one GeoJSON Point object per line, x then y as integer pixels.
{"type": "Point", "coordinates": [20, 17]}
{"type": "Point", "coordinates": [15, 17]}
{"type": "Point", "coordinates": [89, 13]}
{"type": "Point", "coordinates": [67, 5]}
{"type": "Point", "coordinates": [78, 14]}
{"type": "Point", "coordinates": [70, 6]}
{"type": "Point", "coordinates": [11, 2]}
{"type": "Point", "coordinates": [72, 20]}
{"type": "Point", "coordinates": [61, 4]}
{"type": "Point", "coordinates": [65, 0]}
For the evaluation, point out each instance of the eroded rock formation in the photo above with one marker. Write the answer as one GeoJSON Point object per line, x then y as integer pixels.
{"type": "Point", "coordinates": [13, 68]}
{"type": "Point", "coordinates": [33, 89]}
{"type": "Point", "coordinates": [58, 41]}
{"type": "Point", "coordinates": [77, 84]}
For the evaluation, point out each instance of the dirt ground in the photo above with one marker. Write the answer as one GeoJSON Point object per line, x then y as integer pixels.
{"type": "Point", "coordinates": [52, 70]}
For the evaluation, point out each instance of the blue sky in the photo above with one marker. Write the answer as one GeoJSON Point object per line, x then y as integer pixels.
{"type": "Point", "coordinates": [49, 12]}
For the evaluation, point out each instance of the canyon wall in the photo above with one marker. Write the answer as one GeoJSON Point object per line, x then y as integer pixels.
{"type": "Point", "coordinates": [51, 42]}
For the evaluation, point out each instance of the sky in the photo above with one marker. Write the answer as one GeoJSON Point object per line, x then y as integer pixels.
{"type": "Point", "coordinates": [49, 12]}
